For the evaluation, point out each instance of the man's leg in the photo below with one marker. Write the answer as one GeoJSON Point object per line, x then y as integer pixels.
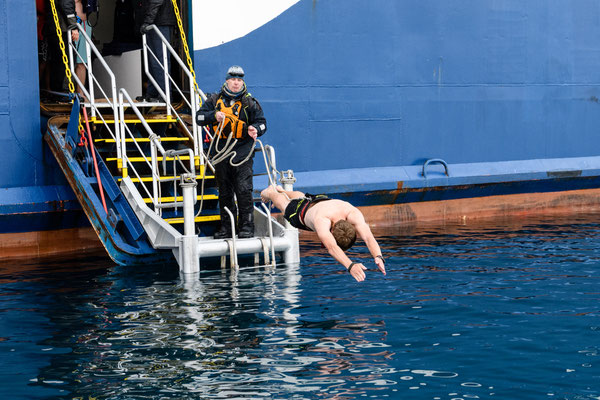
{"type": "Point", "coordinates": [243, 192]}
{"type": "Point", "coordinates": [224, 183]}
{"type": "Point", "coordinates": [57, 68]}
{"type": "Point", "coordinates": [82, 58]}
{"type": "Point", "coordinates": [81, 71]}
{"type": "Point", "coordinates": [279, 197]}
{"type": "Point", "coordinates": [292, 194]}
{"type": "Point", "coordinates": [156, 68]}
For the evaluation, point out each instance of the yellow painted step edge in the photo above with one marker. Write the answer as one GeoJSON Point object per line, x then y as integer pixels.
{"type": "Point", "coordinates": [143, 159]}
{"type": "Point", "coordinates": [180, 198]}
{"type": "Point", "coordinates": [205, 218]}
{"type": "Point", "coordinates": [134, 121]}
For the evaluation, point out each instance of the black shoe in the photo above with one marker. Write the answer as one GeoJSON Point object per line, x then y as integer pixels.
{"type": "Point", "coordinates": [246, 232]}
{"type": "Point", "coordinates": [246, 226]}
{"type": "Point", "coordinates": [147, 99]}
{"type": "Point", "coordinates": [222, 233]}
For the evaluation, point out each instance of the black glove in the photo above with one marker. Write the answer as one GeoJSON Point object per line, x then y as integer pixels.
{"type": "Point", "coordinates": [145, 28]}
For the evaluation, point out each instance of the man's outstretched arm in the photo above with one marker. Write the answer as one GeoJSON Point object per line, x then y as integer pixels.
{"type": "Point", "coordinates": [362, 229]}
{"type": "Point", "coordinates": [322, 227]}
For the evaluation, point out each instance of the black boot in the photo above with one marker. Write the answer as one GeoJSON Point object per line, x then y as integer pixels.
{"type": "Point", "coordinates": [246, 226]}
{"type": "Point", "coordinates": [223, 232]}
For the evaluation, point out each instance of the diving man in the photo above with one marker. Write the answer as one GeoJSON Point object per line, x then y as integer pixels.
{"type": "Point", "coordinates": [336, 223]}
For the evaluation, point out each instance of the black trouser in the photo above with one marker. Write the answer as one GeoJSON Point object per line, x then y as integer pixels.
{"type": "Point", "coordinates": [56, 64]}
{"type": "Point", "coordinates": [156, 68]}
{"type": "Point", "coordinates": [236, 180]}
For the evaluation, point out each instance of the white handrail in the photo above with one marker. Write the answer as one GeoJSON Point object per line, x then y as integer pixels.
{"type": "Point", "coordinates": [192, 103]}
{"type": "Point", "coordinates": [152, 162]}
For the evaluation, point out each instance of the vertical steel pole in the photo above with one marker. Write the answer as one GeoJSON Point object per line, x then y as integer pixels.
{"type": "Point", "coordinates": [191, 262]}
{"type": "Point", "coordinates": [287, 182]}
{"type": "Point", "coordinates": [270, 226]}
{"type": "Point", "coordinates": [292, 255]}
{"type": "Point", "coordinates": [155, 178]}
{"type": "Point", "coordinates": [92, 98]}
{"type": "Point", "coordinates": [120, 138]}
{"type": "Point", "coordinates": [167, 80]}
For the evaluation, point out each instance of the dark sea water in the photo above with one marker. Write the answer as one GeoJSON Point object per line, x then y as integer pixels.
{"type": "Point", "coordinates": [494, 310]}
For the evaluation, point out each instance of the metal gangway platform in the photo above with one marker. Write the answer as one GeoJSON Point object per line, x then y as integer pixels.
{"type": "Point", "coordinates": [142, 174]}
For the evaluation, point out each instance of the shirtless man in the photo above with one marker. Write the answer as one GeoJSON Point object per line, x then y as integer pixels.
{"type": "Point", "coordinates": [336, 223]}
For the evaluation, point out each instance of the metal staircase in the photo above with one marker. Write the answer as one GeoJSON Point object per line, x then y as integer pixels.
{"type": "Point", "coordinates": [148, 159]}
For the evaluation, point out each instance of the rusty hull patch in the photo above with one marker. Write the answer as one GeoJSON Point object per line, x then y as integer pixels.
{"type": "Point", "coordinates": [564, 174]}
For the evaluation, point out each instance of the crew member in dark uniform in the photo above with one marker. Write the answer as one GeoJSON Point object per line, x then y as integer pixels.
{"type": "Point", "coordinates": [234, 112]}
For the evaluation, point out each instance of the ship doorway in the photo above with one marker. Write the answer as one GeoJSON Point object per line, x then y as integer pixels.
{"type": "Point", "coordinates": [115, 31]}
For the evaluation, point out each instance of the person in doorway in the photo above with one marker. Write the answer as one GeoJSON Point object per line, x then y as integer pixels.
{"type": "Point", "coordinates": [43, 52]}
{"type": "Point", "coordinates": [67, 20]}
{"type": "Point", "coordinates": [336, 222]}
{"type": "Point", "coordinates": [236, 115]}
{"type": "Point", "coordinates": [161, 14]}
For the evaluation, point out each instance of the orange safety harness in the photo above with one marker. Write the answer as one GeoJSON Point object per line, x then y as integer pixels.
{"type": "Point", "coordinates": [232, 121]}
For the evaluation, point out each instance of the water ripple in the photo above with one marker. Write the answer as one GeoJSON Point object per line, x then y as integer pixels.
{"type": "Point", "coordinates": [482, 311]}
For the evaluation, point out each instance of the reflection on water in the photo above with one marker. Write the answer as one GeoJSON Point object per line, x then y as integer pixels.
{"type": "Point", "coordinates": [502, 309]}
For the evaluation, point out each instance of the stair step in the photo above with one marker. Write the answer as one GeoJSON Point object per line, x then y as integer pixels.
{"type": "Point", "coordinates": [166, 178]}
{"type": "Point", "coordinates": [145, 140]}
{"type": "Point", "coordinates": [148, 159]}
{"type": "Point", "coordinates": [202, 218]}
{"type": "Point", "coordinates": [180, 198]}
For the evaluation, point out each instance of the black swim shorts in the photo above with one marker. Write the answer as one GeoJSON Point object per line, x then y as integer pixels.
{"type": "Point", "coordinates": [296, 210]}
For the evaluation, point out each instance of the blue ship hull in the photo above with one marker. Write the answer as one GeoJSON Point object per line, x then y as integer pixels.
{"type": "Point", "coordinates": [349, 84]}
{"type": "Point", "coordinates": [359, 95]}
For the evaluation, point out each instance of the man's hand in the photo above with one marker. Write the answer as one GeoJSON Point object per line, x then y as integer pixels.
{"type": "Point", "coordinates": [358, 272]}
{"type": "Point", "coordinates": [252, 132]}
{"type": "Point", "coordinates": [380, 264]}
{"type": "Point", "coordinates": [220, 116]}
{"type": "Point", "coordinates": [75, 35]}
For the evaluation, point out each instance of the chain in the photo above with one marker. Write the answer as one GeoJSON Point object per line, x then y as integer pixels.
{"type": "Point", "coordinates": [64, 55]}
{"type": "Point", "coordinates": [185, 46]}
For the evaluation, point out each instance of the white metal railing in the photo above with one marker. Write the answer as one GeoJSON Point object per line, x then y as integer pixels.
{"type": "Point", "coordinates": [88, 91]}
{"type": "Point", "coordinates": [121, 132]}
{"type": "Point", "coordinates": [156, 148]}
{"type": "Point", "coordinates": [192, 101]}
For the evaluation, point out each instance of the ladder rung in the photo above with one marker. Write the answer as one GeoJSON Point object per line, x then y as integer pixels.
{"type": "Point", "coordinates": [202, 218]}
{"type": "Point", "coordinates": [166, 178]}
{"type": "Point", "coordinates": [134, 120]}
{"type": "Point", "coordinates": [145, 140]}
{"type": "Point", "coordinates": [144, 159]}
{"type": "Point", "coordinates": [180, 198]}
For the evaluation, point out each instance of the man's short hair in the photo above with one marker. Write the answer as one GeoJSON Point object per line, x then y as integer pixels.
{"type": "Point", "coordinates": [344, 234]}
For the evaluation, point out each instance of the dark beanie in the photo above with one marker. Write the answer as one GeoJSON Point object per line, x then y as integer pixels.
{"type": "Point", "coordinates": [235, 71]}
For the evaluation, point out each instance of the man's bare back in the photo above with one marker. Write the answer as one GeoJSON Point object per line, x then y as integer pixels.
{"type": "Point", "coordinates": [332, 210]}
